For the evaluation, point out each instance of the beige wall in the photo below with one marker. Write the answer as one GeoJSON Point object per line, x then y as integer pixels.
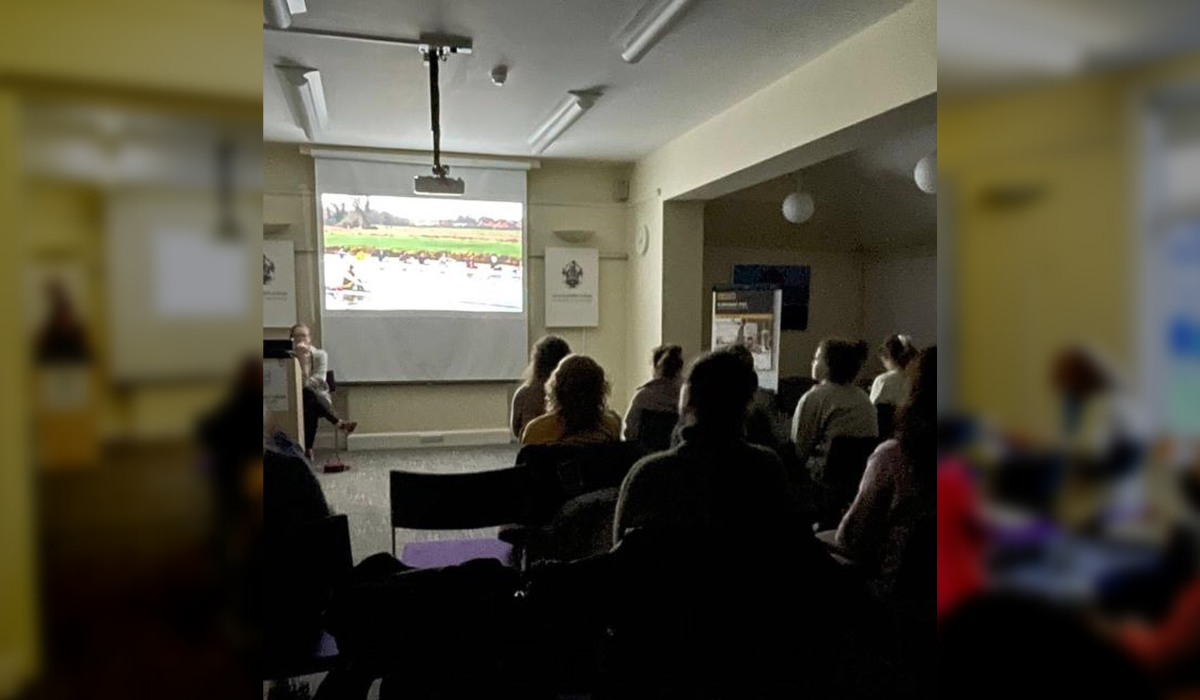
{"type": "Point", "coordinates": [561, 196]}
{"type": "Point", "coordinates": [644, 292]}
{"type": "Point", "coordinates": [900, 295]}
{"type": "Point", "coordinates": [683, 296]}
{"type": "Point", "coordinates": [835, 300]}
{"type": "Point", "coordinates": [852, 294]}
{"type": "Point", "coordinates": [890, 64]}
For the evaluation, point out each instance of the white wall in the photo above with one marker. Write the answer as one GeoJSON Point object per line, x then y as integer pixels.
{"type": "Point", "coordinates": [561, 196]}
{"type": "Point", "coordinates": [901, 297]}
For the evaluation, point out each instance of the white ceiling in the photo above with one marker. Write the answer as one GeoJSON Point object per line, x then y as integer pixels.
{"type": "Point", "coordinates": [865, 200]}
{"type": "Point", "coordinates": [719, 53]}
{"type": "Point", "coordinates": [985, 44]}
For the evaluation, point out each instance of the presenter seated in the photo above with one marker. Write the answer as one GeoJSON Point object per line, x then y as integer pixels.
{"type": "Point", "coordinates": [577, 399]}
{"type": "Point", "coordinates": [314, 364]}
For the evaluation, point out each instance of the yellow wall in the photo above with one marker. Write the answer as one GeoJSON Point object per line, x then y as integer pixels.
{"type": "Point", "coordinates": [1061, 267]}
{"type": "Point", "coordinates": [18, 599]}
{"type": "Point", "coordinates": [561, 196]}
{"type": "Point", "coordinates": [170, 47]}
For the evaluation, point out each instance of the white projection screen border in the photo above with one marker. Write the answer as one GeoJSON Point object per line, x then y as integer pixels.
{"type": "Point", "coordinates": [379, 345]}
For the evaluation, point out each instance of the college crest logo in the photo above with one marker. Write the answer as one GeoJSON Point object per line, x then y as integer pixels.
{"type": "Point", "coordinates": [268, 270]}
{"type": "Point", "coordinates": [572, 274]}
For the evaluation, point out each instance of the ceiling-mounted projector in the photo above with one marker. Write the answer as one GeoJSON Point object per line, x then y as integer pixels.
{"type": "Point", "coordinates": [438, 186]}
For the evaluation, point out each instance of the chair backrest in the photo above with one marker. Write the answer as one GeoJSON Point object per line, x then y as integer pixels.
{"type": "Point", "coordinates": [847, 460]}
{"type": "Point", "coordinates": [303, 564]}
{"type": "Point", "coordinates": [562, 472]}
{"type": "Point", "coordinates": [422, 501]}
{"type": "Point", "coordinates": [885, 413]}
{"type": "Point", "coordinates": [654, 429]}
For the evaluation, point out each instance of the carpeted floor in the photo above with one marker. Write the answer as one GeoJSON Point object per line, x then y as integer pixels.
{"type": "Point", "coordinates": [362, 492]}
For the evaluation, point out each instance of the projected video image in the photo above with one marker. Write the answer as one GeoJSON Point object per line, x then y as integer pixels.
{"type": "Point", "coordinates": [418, 254]}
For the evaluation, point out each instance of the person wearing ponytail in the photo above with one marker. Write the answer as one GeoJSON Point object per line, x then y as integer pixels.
{"type": "Point", "coordinates": [660, 394]}
{"type": "Point", "coordinates": [891, 387]}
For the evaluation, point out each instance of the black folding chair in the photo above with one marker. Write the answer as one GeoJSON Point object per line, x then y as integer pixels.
{"type": "Point", "coordinates": [303, 565]}
{"type": "Point", "coordinates": [844, 467]}
{"type": "Point", "coordinates": [422, 501]}
{"type": "Point", "coordinates": [654, 430]}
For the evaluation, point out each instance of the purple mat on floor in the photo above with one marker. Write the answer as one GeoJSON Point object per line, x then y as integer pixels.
{"type": "Point", "coordinates": [432, 555]}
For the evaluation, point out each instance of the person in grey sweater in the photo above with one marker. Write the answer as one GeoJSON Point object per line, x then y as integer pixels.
{"type": "Point", "coordinates": [660, 394]}
{"type": "Point", "coordinates": [834, 407]}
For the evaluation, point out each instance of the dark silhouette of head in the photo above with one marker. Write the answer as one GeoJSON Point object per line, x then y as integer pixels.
{"type": "Point", "coordinates": [548, 351]}
{"type": "Point", "coordinates": [898, 350]}
{"type": "Point", "coordinates": [718, 391]}
{"type": "Point", "coordinates": [668, 361]}
{"type": "Point", "coordinates": [839, 360]}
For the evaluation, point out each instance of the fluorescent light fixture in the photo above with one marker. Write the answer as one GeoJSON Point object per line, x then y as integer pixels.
{"type": "Point", "coordinates": [278, 13]}
{"type": "Point", "coordinates": [438, 186]}
{"type": "Point", "coordinates": [653, 29]}
{"type": "Point", "coordinates": [306, 96]}
{"type": "Point", "coordinates": [564, 116]}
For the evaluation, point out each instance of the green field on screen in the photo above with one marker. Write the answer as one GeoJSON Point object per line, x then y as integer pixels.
{"type": "Point", "coordinates": [428, 239]}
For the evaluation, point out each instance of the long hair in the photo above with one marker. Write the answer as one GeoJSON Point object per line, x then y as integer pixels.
{"type": "Point", "coordinates": [577, 391]}
{"type": "Point", "coordinates": [916, 425]}
{"type": "Point", "coordinates": [668, 361]}
{"type": "Point", "coordinates": [547, 353]}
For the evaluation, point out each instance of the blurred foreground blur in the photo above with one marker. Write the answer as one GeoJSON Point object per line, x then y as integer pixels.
{"type": "Point", "coordinates": [1069, 301]}
{"type": "Point", "coordinates": [130, 211]}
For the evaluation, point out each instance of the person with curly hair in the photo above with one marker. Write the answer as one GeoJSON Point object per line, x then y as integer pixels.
{"type": "Point", "coordinates": [577, 407]}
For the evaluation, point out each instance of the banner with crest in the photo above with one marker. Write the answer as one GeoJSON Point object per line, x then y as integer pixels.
{"type": "Point", "coordinates": [572, 287]}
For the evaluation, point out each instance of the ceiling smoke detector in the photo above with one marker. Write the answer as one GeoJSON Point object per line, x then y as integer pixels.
{"type": "Point", "coordinates": [499, 75]}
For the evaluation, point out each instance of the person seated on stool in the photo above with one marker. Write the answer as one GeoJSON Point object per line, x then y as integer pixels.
{"type": "Point", "coordinates": [314, 364]}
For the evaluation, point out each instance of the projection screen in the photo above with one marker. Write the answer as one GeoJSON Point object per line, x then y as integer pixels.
{"type": "Point", "coordinates": [421, 289]}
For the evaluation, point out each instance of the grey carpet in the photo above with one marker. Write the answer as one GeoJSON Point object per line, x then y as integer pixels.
{"type": "Point", "coordinates": [362, 492]}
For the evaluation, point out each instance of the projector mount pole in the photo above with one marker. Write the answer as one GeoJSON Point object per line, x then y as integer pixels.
{"type": "Point", "coordinates": [433, 56]}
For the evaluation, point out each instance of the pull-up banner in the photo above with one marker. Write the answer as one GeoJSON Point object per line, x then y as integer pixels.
{"type": "Point", "coordinates": [750, 315]}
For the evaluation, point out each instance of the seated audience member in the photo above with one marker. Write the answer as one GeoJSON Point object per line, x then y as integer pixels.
{"type": "Point", "coordinates": [529, 401]}
{"type": "Point", "coordinates": [292, 494]}
{"type": "Point", "coordinates": [714, 478]}
{"type": "Point", "coordinates": [1005, 645]}
{"type": "Point", "coordinates": [659, 394]}
{"type": "Point", "coordinates": [961, 538]}
{"type": "Point", "coordinates": [314, 365]}
{"type": "Point", "coordinates": [833, 408]}
{"type": "Point", "coordinates": [897, 493]}
{"type": "Point", "coordinates": [576, 397]}
{"type": "Point", "coordinates": [1170, 650]}
{"type": "Point", "coordinates": [891, 387]}
{"type": "Point", "coordinates": [689, 623]}
{"type": "Point", "coordinates": [760, 423]}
